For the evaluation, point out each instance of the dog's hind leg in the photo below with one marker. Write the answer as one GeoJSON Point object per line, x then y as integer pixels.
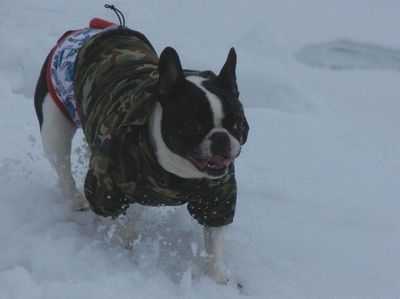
{"type": "Point", "coordinates": [57, 132]}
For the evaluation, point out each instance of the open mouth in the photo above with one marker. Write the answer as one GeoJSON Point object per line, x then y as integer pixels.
{"type": "Point", "coordinates": [215, 166]}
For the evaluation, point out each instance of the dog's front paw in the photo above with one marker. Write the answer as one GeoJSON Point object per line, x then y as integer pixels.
{"type": "Point", "coordinates": [216, 274]}
{"type": "Point", "coordinates": [220, 277]}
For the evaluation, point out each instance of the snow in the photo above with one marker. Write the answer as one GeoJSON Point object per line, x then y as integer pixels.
{"type": "Point", "coordinates": [318, 207]}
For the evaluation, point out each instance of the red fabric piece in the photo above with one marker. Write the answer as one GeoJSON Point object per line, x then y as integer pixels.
{"type": "Point", "coordinates": [98, 23]}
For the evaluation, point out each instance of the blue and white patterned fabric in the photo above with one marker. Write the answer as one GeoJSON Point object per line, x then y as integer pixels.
{"type": "Point", "coordinates": [62, 69]}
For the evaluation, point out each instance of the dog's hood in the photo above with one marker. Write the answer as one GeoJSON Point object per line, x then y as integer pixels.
{"type": "Point", "coordinates": [116, 80]}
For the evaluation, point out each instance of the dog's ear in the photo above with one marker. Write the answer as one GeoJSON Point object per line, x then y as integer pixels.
{"type": "Point", "coordinates": [227, 77]}
{"type": "Point", "coordinates": [170, 72]}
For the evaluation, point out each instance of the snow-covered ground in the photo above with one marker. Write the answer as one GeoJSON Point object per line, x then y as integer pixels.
{"type": "Point", "coordinates": [318, 211]}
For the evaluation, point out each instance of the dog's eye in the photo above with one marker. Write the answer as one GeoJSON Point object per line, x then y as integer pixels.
{"type": "Point", "coordinates": [237, 128]}
{"type": "Point", "coordinates": [238, 125]}
{"type": "Point", "coordinates": [193, 127]}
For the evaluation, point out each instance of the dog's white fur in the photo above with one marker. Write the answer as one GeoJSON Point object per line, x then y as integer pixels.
{"type": "Point", "coordinates": [57, 133]}
{"type": "Point", "coordinates": [213, 100]}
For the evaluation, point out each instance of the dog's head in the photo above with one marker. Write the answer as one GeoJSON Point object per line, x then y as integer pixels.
{"type": "Point", "coordinates": [198, 126]}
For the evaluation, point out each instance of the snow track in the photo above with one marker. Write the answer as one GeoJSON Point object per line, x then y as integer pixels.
{"type": "Point", "coordinates": [348, 54]}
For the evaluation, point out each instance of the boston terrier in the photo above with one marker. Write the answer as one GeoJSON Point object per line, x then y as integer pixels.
{"type": "Point", "coordinates": [157, 134]}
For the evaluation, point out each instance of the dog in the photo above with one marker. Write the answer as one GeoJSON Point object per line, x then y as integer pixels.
{"type": "Point", "coordinates": [157, 134]}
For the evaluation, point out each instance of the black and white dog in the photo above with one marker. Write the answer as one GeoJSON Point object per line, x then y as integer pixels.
{"type": "Point", "coordinates": [217, 108]}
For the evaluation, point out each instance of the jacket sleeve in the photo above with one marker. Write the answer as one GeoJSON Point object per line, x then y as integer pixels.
{"type": "Point", "coordinates": [100, 190]}
{"type": "Point", "coordinates": [216, 205]}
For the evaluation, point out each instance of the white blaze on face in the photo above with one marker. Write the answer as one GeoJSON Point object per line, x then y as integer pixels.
{"type": "Point", "coordinates": [218, 115]}
{"type": "Point", "coordinates": [214, 101]}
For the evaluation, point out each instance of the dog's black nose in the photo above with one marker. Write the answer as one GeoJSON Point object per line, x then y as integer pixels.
{"type": "Point", "coordinates": [220, 144]}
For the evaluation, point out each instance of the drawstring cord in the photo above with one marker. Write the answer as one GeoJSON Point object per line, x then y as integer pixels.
{"type": "Point", "coordinates": [119, 14]}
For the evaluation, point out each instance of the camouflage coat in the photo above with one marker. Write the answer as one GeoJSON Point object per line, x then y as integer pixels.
{"type": "Point", "coordinates": [115, 82]}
